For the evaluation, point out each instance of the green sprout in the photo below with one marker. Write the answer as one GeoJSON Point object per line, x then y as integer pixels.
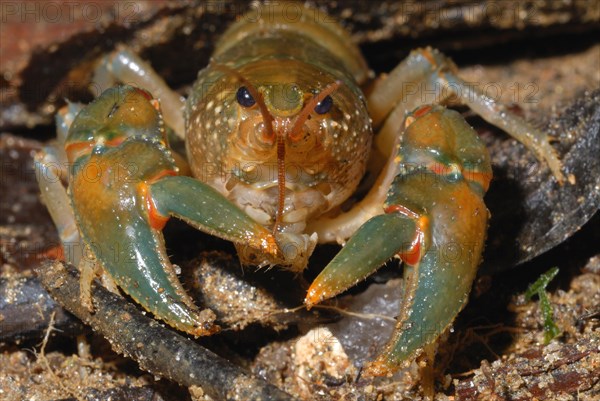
{"type": "Point", "coordinates": [551, 330]}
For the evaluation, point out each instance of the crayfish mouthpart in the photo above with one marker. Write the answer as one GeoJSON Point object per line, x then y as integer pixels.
{"type": "Point", "coordinates": [287, 250]}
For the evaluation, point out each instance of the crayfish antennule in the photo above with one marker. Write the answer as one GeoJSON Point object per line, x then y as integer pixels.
{"type": "Point", "coordinates": [308, 108]}
{"type": "Point", "coordinates": [268, 121]}
{"type": "Point", "coordinates": [280, 180]}
{"type": "Point", "coordinates": [294, 134]}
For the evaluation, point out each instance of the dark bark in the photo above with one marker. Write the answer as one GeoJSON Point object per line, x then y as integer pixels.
{"type": "Point", "coordinates": [25, 310]}
{"type": "Point", "coordinates": [157, 349]}
{"type": "Point", "coordinates": [547, 373]}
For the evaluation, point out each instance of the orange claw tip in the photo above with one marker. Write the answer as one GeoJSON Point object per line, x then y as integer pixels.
{"type": "Point", "coordinates": [315, 294]}
{"type": "Point", "coordinates": [203, 325]}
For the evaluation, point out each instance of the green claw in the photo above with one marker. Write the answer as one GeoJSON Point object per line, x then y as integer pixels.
{"type": "Point", "coordinates": [206, 209]}
{"type": "Point", "coordinates": [378, 240]}
{"type": "Point", "coordinates": [124, 188]}
{"type": "Point", "coordinates": [112, 217]}
{"type": "Point", "coordinates": [435, 221]}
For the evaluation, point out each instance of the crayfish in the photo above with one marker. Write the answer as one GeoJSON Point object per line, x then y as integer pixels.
{"type": "Point", "coordinates": [279, 133]}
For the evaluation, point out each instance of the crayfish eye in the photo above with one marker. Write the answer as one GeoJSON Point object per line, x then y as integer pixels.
{"type": "Point", "coordinates": [244, 98]}
{"type": "Point", "coordinates": [324, 105]}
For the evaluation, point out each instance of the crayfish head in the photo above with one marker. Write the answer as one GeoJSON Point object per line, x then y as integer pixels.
{"type": "Point", "coordinates": [285, 142]}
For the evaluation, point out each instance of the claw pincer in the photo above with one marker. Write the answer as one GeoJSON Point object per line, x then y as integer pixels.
{"type": "Point", "coordinates": [123, 188]}
{"type": "Point", "coordinates": [434, 220]}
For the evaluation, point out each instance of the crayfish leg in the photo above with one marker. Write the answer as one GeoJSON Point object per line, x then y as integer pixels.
{"type": "Point", "coordinates": [48, 172]}
{"type": "Point", "coordinates": [63, 119]}
{"type": "Point", "coordinates": [427, 76]}
{"type": "Point", "coordinates": [499, 115]}
{"type": "Point", "coordinates": [87, 270]}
